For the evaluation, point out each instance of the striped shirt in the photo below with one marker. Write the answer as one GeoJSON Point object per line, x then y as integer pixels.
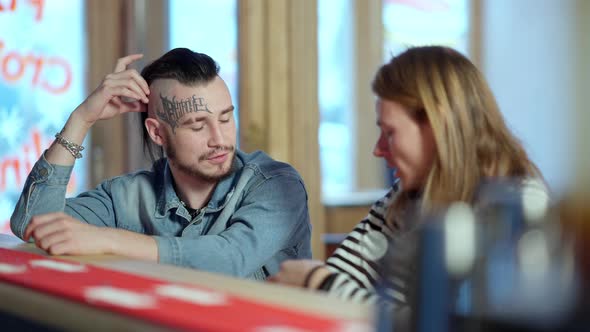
{"type": "Point", "coordinates": [356, 266]}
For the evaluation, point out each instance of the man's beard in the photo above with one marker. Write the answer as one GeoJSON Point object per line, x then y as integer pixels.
{"type": "Point", "coordinates": [194, 171]}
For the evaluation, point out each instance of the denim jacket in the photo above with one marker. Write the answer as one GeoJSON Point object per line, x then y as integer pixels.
{"type": "Point", "coordinates": [256, 218]}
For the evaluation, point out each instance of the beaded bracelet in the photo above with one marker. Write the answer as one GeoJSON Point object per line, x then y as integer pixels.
{"type": "Point", "coordinates": [72, 147]}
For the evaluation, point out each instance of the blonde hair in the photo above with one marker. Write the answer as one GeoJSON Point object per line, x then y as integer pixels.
{"type": "Point", "coordinates": [472, 140]}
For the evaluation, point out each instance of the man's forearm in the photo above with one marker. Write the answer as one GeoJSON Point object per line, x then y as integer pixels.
{"type": "Point", "coordinates": [131, 244]}
{"type": "Point", "coordinates": [75, 131]}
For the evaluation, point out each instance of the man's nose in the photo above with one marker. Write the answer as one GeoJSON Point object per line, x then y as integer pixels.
{"type": "Point", "coordinates": [215, 136]}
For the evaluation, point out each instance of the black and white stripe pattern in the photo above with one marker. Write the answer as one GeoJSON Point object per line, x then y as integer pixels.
{"type": "Point", "coordinates": [356, 263]}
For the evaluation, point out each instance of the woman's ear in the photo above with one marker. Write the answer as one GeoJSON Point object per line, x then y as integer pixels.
{"type": "Point", "coordinates": [154, 129]}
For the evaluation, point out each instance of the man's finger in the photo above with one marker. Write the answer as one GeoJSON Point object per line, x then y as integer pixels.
{"type": "Point", "coordinates": [46, 229]}
{"type": "Point", "coordinates": [141, 82]}
{"type": "Point", "coordinates": [127, 84]}
{"type": "Point", "coordinates": [133, 76]}
{"type": "Point", "coordinates": [60, 248]}
{"type": "Point", "coordinates": [133, 85]}
{"type": "Point", "coordinates": [135, 107]}
{"type": "Point", "coordinates": [40, 220]}
{"type": "Point", "coordinates": [51, 239]}
{"type": "Point", "coordinates": [122, 63]}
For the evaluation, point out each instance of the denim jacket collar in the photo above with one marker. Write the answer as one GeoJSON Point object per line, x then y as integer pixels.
{"type": "Point", "coordinates": [168, 199]}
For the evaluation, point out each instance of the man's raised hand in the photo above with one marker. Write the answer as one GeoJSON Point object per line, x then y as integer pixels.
{"type": "Point", "coordinates": [122, 91]}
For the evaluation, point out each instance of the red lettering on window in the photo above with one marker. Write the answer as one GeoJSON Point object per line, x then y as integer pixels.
{"type": "Point", "coordinates": [5, 227]}
{"type": "Point", "coordinates": [67, 81]}
{"type": "Point", "coordinates": [39, 6]}
{"type": "Point", "coordinates": [18, 166]}
{"type": "Point", "coordinates": [12, 60]}
{"type": "Point", "coordinates": [15, 67]}
{"type": "Point", "coordinates": [6, 165]}
{"type": "Point", "coordinates": [11, 7]}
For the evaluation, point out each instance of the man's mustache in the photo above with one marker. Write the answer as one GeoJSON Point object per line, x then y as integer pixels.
{"type": "Point", "coordinates": [211, 153]}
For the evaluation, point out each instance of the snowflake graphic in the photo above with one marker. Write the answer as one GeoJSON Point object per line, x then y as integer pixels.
{"type": "Point", "coordinates": [11, 127]}
{"type": "Point", "coordinates": [51, 123]}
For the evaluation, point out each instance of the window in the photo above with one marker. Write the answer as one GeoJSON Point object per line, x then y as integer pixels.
{"type": "Point", "coordinates": [350, 175]}
{"type": "Point", "coordinates": [533, 70]}
{"type": "Point", "coordinates": [335, 63]}
{"type": "Point", "coordinates": [425, 22]}
{"type": "Point", "coordinates": [41, 83]}
{"type": "Point", "coordinates": [209, 27]}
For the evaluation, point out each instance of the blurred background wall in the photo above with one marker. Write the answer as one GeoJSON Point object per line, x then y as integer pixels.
{"type": "Point", "coordinates": [299, 74]}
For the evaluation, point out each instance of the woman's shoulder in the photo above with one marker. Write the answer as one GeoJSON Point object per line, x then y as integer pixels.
{"type": "Point", "coordinates": [534, 185]}
{"type": "Point", "coordinates": [496, 185]}
{"type": "Point", "coordinates": [378, 213]}
{"type": "Point", "coordinates": [529, 192]}
{"type": "Point", "coordinates": [389, 196]}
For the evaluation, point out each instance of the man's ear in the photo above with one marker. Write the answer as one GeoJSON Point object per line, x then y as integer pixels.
{"type": "Point", "coordinates": [155, 130]}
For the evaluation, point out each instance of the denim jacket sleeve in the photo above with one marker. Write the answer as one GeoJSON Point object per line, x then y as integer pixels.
{"type": "Point", "coordinates": [44, 192]}
{"type": "Point", "coordinates": [271, 218]}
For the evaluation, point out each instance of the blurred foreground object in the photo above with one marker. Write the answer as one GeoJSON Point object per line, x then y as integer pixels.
{"type": "Point", "coordinates": [512, 261]}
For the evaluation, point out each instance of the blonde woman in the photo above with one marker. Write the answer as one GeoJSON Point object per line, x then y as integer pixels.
{"type": "Point", "coordinates": [441, 129]}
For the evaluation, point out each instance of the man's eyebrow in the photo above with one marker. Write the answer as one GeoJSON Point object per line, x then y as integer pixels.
{"type": "Point", "coordinates": [227, 110]}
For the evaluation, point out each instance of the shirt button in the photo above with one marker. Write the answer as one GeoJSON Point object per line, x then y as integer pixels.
{"type": "Point", "coordinates": [43, 172]}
